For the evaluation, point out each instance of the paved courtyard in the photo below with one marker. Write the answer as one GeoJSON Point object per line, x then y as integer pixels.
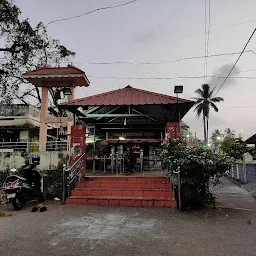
{"type": "Point", "coordinates": [104, 231]}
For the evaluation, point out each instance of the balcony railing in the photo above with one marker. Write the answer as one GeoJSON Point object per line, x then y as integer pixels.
{"type": "Point", "coordinates": [29, 147]}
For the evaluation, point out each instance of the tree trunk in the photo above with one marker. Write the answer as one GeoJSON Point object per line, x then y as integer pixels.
{"type": "Point", "coordinates": [204, 129]}
{"type": "Point", "coordinates": [207, 129]}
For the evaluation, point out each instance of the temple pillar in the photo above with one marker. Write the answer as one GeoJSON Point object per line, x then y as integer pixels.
{"type": "Point", "coordinates": [43, 116]}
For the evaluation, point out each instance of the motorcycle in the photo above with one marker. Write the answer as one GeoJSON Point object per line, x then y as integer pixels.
{"type": "Point", "coordinates": [28, 186]}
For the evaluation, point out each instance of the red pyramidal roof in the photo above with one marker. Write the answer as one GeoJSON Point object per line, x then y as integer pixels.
{"type": "Point", "coordinates": [70, 70]}
{"type": "Point", "coordinates": [57, 77]}
{"type": "Point", "coordinates": [126, 96]}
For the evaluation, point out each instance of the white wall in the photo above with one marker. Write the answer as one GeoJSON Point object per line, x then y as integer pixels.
{"type": "Point", "coordinates": [49, 160]}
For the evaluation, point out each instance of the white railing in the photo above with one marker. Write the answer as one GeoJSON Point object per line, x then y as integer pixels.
{"type": "Point", "coordinates": [33, 146]}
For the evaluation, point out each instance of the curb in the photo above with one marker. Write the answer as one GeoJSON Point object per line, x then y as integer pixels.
{"type": "Point", "coordinates": [238, 183]}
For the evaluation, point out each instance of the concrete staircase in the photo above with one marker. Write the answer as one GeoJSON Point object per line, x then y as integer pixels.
{"type": "Point", "coordinates": [124, 191]}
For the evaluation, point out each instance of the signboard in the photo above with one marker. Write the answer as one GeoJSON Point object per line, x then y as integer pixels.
{"type": "Point", "coordinates": [134, 135]}
{"type": "Point", "coordinates": [77, 145]}
{"type": "Point", "coordinates": [173, 131]}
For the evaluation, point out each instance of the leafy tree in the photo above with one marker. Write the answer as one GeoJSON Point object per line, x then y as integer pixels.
{"type": "Point", "coordinates": [184, 129]}
{"type": "Point", "coordinates": [234, 147]}
{"type": "Point", "coordinates": [204, 102]}
{"type": "Point", "coordinates": [25, 48]}
{"type": "Point", "coordinates": [197, 165]}
{"type": "Point", "coordinates": [215, 134]}
{"type": "Point", "coordinates": [229, 133]}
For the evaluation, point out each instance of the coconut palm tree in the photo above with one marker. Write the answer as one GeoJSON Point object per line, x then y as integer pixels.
{"type": "Point", "coordinates": [229, 133]}
{"type": "Point", "coordinates": [205, 100]}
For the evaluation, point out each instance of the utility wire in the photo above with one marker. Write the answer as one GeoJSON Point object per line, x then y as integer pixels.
{"type": "Point", "coordinates": [165, 61]}
{"type": "Point", "coordinates": [235, 62]}
{"type": "Point", "coordinates": [95, 10]}
{"type": "Point", "coordinates": [152, 62]}
{"type": "Point", "coordinates": [170, 78]}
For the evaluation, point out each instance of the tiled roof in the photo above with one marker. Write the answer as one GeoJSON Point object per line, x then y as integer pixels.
{"type": "Point", "coordinates": [55, 71]}
{"type": "Point", "coordinates": [126, 96]}
{"type": "Point", "coordinates": [57, 77]}
{"type": "Point", "coordinates": [251, 140]}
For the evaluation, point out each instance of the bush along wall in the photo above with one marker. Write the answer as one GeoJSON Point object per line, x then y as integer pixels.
{"type": "Point", "coordinates": [3, 175]}
{"type": "Point", "coordinates": [197, 166]}
{"type": "Point", "coordinates": [53, 182]}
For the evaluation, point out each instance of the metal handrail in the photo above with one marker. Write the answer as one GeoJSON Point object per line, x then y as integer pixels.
{"type": "Point", "coordinates": [73, 172]}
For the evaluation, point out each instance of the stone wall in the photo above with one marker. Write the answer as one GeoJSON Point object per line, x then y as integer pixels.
{"type": "Point", "coordinates": [49, 160]}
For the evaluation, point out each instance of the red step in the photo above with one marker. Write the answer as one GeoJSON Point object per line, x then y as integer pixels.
{"type": "Point", "coordinates": [125, 178]}
{"type": "Point", "coordinates": [123, 184]}
{"type": "Point", "coordinates": [125, 201]}
{"type": "Point", "coordinates": [124, 191]}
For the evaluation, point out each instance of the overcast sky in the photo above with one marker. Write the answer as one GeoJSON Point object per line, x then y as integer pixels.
{"type": "Point", "coordinates": [160, 31]}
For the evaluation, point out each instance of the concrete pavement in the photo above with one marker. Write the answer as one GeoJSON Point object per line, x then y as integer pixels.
{"type": "Point", "coordinates": [230, 195]}
{"type": "Point", "coordinates": [122, 231]}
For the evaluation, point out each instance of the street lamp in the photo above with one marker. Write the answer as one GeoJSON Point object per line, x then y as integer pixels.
{"type": "Point", "coordinates": [178, 89]}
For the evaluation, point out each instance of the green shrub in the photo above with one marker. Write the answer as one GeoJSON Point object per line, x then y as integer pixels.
{"type": "Point", "coordinates": [197, 166]}
{"type": "Point", "coordinates": [3, 175]}
{"type": "Point", "coordinates": [53, 183]}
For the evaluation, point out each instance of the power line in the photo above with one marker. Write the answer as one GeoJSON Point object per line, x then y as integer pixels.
{"type": "Point", "coordinates": [95, 10]}
{"type": "Point", "coordinates": [240, 106]}
{"type": "Point", "coordinates": [164, 61]}
{"type": "Point", "coordinates": [170, 78]}
{"type": "Point", "coordinates": [152, 62]}
{"type": "Point", "coordinates": [236, 62]}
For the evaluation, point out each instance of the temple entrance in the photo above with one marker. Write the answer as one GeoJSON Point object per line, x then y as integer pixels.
{"type": "Point", "coordinates": [125, 127]}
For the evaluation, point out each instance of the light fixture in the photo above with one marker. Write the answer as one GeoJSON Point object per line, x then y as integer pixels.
{"type": "Point", "coordinates": [57, 95]}
{"type": "Point", "coordinates": [125, 121]}
{"type": "Point", "coordinates": [67, 91]}
{"type": "Point", "coordinates": [178, 89]}
{"type": "Point", "coordinates": [121, 138]}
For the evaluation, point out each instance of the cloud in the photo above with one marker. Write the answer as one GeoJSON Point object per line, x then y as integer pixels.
{"type": "Point", "coordinates": [223, 72]}
{"type": "Point", "coordinates": [149, 35]}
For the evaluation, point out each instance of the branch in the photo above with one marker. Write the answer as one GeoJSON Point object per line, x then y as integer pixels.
{"type": "Point", "coordinates": [38, 94]}
{"type": "Point", "coordinates": [20, 98]}
{"type": "Point", "coordinates": [11, 49]}
{"type": "Point", "coordinates": [5, 49]}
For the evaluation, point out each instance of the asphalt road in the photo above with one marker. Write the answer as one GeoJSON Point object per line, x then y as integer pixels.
{"type": "Point", "coordinates": [104, 231]}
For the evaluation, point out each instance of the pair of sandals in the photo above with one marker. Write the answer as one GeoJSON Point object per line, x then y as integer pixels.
{"type": "Point", "coordinates": [40, 207]}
